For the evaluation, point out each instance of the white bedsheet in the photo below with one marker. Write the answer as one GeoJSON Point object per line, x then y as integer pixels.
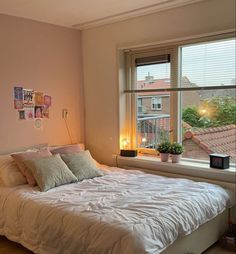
{"type": "Point", "coordinates": [124, 212]}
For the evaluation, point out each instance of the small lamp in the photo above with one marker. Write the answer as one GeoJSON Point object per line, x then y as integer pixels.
{"type": "Point", "coordinates": [127, 152]}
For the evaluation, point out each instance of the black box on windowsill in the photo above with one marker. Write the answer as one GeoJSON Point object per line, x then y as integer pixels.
{"type": "Point", "coordinates": [220, 161]}
{"type": "Point", "coordinates": [128, 152]}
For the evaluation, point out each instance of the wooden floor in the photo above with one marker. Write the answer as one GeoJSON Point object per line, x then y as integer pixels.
{"type": "Point", "coordinates": [8, 247]}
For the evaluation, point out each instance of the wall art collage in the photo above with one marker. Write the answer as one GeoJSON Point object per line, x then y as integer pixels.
{"type": "Point", "coordinates": [31, 104]}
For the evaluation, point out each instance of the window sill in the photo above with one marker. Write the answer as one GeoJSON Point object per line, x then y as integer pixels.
{"type": "Point", "coordinates": [184, 168]}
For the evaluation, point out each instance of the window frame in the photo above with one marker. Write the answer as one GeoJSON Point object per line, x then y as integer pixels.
{"type": "Point", "coordinates": [132, 97]}
{"type": "Point", "coordinates": [174, 49]}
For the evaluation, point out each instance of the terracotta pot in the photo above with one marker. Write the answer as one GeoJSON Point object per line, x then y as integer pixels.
{"type": "Point", "coordinates": [176, 158]}
{"type": "Point", "coordinates": [164, 157]}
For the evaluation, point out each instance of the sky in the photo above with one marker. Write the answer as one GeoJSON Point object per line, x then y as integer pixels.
{"type": "Point", "coordinates": [204, 64]}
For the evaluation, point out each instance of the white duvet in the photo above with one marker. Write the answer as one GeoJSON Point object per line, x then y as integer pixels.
{"type": "Point", "coordinates": [123, 212]}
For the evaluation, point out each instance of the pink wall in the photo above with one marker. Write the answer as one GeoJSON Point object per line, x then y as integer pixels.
{"type": "Point", "coordinates": [46, 58]}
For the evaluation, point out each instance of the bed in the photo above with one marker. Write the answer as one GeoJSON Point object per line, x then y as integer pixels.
{"type": "Point", "coordinates": [122, 212]}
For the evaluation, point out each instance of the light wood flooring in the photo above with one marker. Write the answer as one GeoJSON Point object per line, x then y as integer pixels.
{"type": "Point", "coordinates": [8, 247]}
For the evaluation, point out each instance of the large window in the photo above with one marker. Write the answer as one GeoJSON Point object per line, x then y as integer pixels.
{"type": "Point", "coordinates": [208, 116]}
{"type": "Point", "coordinates": [186, 93]}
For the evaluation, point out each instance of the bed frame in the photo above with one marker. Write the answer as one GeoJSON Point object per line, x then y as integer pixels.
{"type": "Point", "coordinates": [208, 233]}
{"type": "Point", "coordinates": [202, 238]}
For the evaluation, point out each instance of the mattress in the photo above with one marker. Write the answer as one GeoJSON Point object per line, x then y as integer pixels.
{"type": "Point", "coordinates": [122, 212]}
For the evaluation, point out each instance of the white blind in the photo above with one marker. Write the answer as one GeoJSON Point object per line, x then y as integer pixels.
{"type": "Point", "coordinates": [208, 64]}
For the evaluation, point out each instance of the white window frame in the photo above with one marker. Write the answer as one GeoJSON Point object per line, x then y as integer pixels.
{"type": "Point", "coordinates": [175, 98]}
{"type": "Point", "coordinates": [132, 97]}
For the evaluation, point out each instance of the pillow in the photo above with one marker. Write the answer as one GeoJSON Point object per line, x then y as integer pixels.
{"type": "Point", "coordinates": [20, 158]}
{"type": "Point", "coordinates": [10, 175]}
{"type": "Point", "coordinates": [50, 172]}
{"type": "Point", "coordinates": [82, 165]}
{"type": "Point", "coordinates": [68, 149]}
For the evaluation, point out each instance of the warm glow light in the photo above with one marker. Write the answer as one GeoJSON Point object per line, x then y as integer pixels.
{"type": "Point", "coordinates": [203, 111]}
{"type": "Point", "coordinates": [125, 143]}
{"type": "Point", "coordinates": [144, 140]}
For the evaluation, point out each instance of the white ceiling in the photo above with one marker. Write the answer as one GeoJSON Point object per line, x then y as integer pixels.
{"type": "Point", "coordinates": [83, 14]}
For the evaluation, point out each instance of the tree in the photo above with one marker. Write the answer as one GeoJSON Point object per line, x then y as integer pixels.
{"type": "Point", "coordinates": [216, 111]}
{"type": "Point", "coordinates": [223, 110]}
{"type": "Point", "coordinates": [192, 116]}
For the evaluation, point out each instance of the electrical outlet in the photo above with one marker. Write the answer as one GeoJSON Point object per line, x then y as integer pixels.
{"type": "Point", "coordinates": [64, 113]}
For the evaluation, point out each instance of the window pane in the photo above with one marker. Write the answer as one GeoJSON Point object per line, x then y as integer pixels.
{"type": "Point", "coordinates": [153, 108]}
{"type": "Point", "coordinates": [209, 64]}
{"type": "Point", "coordinates": [208, 123]}
{"type": "Point", "coordinates": [209, 116]}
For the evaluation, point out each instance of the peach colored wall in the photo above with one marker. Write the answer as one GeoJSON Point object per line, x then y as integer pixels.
{"type": "Point", "coordinates": [46, 58]}
{"type": "Point", "coordinates": [101, 61]}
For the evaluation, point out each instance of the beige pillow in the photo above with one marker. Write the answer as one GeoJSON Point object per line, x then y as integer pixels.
{"type": "Point", "coordinates": [82, 165]}
{"type": "Point", "coordinates": [50, 172]}
{"type": "Point", "coordinates": [20, 158]}
{"type": "Point", "coordinates": [10, 175]}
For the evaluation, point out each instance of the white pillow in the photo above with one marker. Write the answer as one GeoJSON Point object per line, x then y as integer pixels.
{"type": "Point", "coordinates": [9, 173]}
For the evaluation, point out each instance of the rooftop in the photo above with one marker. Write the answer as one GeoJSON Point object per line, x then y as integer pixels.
{"type": "Point", "coordinates": [215, 140]}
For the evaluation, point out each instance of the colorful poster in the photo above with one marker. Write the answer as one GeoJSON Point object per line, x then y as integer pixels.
{"type": "Point", "coordinates": [29, 113]}
{"type": "Point", "coordinates": [28, 97]}
{"type": "Point", "coordinates": [21, 114]}
{"type": "Point", "coordinates": [38, 112]}
{"type": "Point", "coordinates": [45, 112]}
{"type": "Point", "coordinates": [18, 97]}
{"type": "Point", "coordinates": [39, 99]}
{"type": "Point", "coordinates": [30, 104]}
{"type": "Point", "coordinates": [47, 101]}
{"type": "Point", "coordinates": [18, 93]}
{"type": "Point", "coordinates": [18, 104]}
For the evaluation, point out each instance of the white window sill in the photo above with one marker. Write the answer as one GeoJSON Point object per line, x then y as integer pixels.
{"type": "Point", "coordinates": [184, 168]}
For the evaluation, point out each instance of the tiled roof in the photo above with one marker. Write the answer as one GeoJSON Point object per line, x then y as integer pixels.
{"type": "Point", "coordinates": [151, 83]}
{"type": "Point", "coordinates": [215, 140]}
{"type": "Point", "coordinates": [155, 84]}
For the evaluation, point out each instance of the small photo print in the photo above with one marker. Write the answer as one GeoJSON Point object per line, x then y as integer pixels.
{"type": "Point", "coordinates": [39, 99]}
{"type": "Point", "coordinates": [47, 101]}
{"type": "Point", "coordinates": [29, 113]}
{"type": "Point", "coordinates": [28, 97]}
{"type": "Point", "coordinates": [38, 112]}
{"type": "Point", "coordinates": [45, 112]}
{"type": "Point", "coordinates": [21, 114]}
{"type": "Point", "coordinates": [18, 93]}
{"type": "Point", "coordinates": [18, 104]}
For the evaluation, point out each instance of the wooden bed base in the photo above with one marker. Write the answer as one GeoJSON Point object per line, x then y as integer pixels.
{"type": "Point", "coordinates": [202, 238]}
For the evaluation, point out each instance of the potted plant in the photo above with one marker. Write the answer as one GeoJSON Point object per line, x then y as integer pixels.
{"type": "Point", "coordinates": [176, 150]}
{"type": "Point", "coordinates": [163, 148]}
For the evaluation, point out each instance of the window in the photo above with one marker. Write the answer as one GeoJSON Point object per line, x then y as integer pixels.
{"type": "Point", "coordinates": [209, 116]}
{"type": "Point", "coordinates": [156, 103]}
{"type": "Point", "coordinates": [141, 108]}
{"type": "Point", "coordinates": [153, 123]}
{"type": "Point", "coordinates": [189, 96]}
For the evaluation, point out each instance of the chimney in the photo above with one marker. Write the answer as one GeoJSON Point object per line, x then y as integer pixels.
{"type": "Point", "coordinates": [149, 79]}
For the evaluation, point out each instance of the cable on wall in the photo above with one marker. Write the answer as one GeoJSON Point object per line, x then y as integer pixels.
{"type": "Point", "coordinates": [68, 130]}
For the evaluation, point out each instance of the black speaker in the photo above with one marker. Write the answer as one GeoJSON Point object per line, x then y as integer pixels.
{"type": "Point", "coordinates": [220, 161]}
{"type": "Point", "coordinates": [128, 152]}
